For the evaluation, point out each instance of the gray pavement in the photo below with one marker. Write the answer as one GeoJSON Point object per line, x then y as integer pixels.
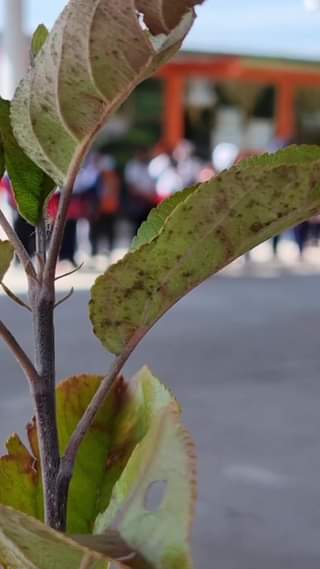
{"type": "Point", "coordinates": [243, 357]}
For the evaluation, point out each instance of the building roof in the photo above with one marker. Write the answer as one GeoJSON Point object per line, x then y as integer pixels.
{"type": "Point", "coordinates": [268, 28]}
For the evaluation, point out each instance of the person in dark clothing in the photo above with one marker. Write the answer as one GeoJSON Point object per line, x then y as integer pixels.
{"type": "Point", "coordinates": [140, 187]}
{"type": "Point", "coordinates": [82, 205]}
{"type": "Point", "coordinates": [301, 233]}
{"type": "Point", "coordinates": [26, 233]}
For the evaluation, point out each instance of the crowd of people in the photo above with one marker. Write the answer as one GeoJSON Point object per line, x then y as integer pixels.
{"type": "Point", "coordinates": [105, 194]}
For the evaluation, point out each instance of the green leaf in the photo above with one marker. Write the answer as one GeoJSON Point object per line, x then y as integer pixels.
{"type": "Point", "coordinates": [6, 256]}
{"type": "Point", "coordinates": [20, 479]}
{"type": "Point", "coordinates": [216, 223]}
{"type": "Point", "coordinates": [26, 543]}
{"type": "Point", "coordinates": [31, 185]}
{"type": "Point", "coordinates": [158, 215]}
{"type": "Point", "coordinates": [93, 58]}
{"type": "Point", "coordinates": [150, 228]}
{"type": "Point", "coordinates": [2, 160]}
{"type": "Point", "coordinates": [120, 425]}
{"type": "Point", "coordinates": [39, 38]}
{"type": "Point", "coordinates": [152, 505]}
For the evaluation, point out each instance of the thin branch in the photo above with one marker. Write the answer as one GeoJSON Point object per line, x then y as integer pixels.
{"type": "Point", "coordinates": [68, 460]}
{"type": "Point", "coordinates": [41, 246]}
{"type": "Point", "coordinates": [20, 355]}
{"type": "Point", "coordinates": [14, 297]}
{"type": "Point", "coordinates": [62, 300]}
{"type": "Point", "coordinates": [59, 225]}
{"type": "Point", "coordinates": [69, 272]}
{"type": "Point", "coordinates": [92, 409]}
{"type": "Point", "coordinates": [18, 246]}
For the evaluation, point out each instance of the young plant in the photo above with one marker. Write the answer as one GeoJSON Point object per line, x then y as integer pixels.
{"type": "Point", "coordinates": [110, 472]}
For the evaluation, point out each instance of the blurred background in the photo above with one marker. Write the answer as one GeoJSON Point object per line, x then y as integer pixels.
{"type": "Point", "coordinates": [242, 351]}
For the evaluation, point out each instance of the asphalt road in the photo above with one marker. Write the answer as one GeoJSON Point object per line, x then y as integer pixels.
{"type": "Point", "coordinates": [243, 357]}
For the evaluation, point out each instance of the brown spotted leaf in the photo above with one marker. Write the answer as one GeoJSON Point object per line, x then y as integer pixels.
{"type": "Point", "coordinates": [161, 16]}
{"type": "Point", "coordinates": [93, 58]}
{"type": "Point", "coordinates": [216, 223]}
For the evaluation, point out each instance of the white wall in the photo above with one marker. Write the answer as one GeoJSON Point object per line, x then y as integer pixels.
{"type": "Point", "coordinates": [14, 47]}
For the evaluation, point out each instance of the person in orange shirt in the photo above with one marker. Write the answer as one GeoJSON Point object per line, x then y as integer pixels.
{"type": "Point", "coordinates": [104, 220]}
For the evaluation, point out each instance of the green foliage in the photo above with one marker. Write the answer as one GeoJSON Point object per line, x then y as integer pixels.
{"type": "Point", "coordinates": [80, 74]}
{"type": "Point", "coordinates": [132, 529]}
{"type": "Point", "coordinates": [31, 185]}
{"type": "Point", "coordinates": [26, 543]}
{"type": "Point", "coordinates": [6, 256]}
{"type": "Point", "coordinates": [123, 421]}
{"type": "Point", "coordinates": [150, 228]}
{"type": "Point", "coordinates": [216, 222]}
{"type": "Point", "coordinates": [20, 483]}
{"type": "Point", "coordinates": [92, 60]}
{"type": "Point", "coordinates": [39, 38]}
{"type": "Point", "coordinates": [157, 526]}
{"type": "Point", "coordinates": [2, 160]}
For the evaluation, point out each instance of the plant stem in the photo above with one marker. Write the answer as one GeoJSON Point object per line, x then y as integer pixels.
{"type": "Point", "coordinates": [87, 562]}
{"type": "Point", "coordinates": [19, 353]}
{"type": "Point", "coordinates": [41, 246]}
{"type": "Point", "coordinates": [60, 222]}
{"type": "Point", "coordinates": [42, 301]}
{"type": "Point", "coordinates": [57, 474]}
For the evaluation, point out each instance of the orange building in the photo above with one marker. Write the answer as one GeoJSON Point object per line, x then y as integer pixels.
{"type": "Point", "coordinates": [270, 44]}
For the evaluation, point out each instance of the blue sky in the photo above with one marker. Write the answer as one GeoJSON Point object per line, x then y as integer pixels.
{"type": "Point", "coordinates": [267, 27]}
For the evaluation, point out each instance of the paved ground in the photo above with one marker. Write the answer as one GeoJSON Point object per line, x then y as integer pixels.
{"type": "Point", "coordinates": [243, 357]}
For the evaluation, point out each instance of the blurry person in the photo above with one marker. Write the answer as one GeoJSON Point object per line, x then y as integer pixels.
{"type": "Point", "coordinates": [82, 204]}
{"type": "Point", "coordinates": [141, 188]}
{"type": "Point", "coordinates": [206, 173]}
{"type": "Point", "coordinates": [225, 155]}
{"type": "Point", "coordinates": [103, 222]}
{"type": "Point", "coordinates": [314, 229]}
{"type": "Point", "coordinates": [275, 244]}
{"type": "Point", "coordinates": [301, 234]}
{"type": "Point", "coordinates": [167, 180]}
{"type": "Point", "coordinates": [188, 166]}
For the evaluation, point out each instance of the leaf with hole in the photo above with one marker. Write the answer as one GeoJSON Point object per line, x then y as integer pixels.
{"type": "Point", "coordinates": [216, 223]}
{"type": "Point", "coordinates": [93, 58]}
{"type": "Point", "coordinates": [6, 256]}
{"type": "Point", "coordinates": [152, 505]}
{"type": "Point", "coordinates": [120, 425]}
{"type": "Point", "coordinates": [31, 185]}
